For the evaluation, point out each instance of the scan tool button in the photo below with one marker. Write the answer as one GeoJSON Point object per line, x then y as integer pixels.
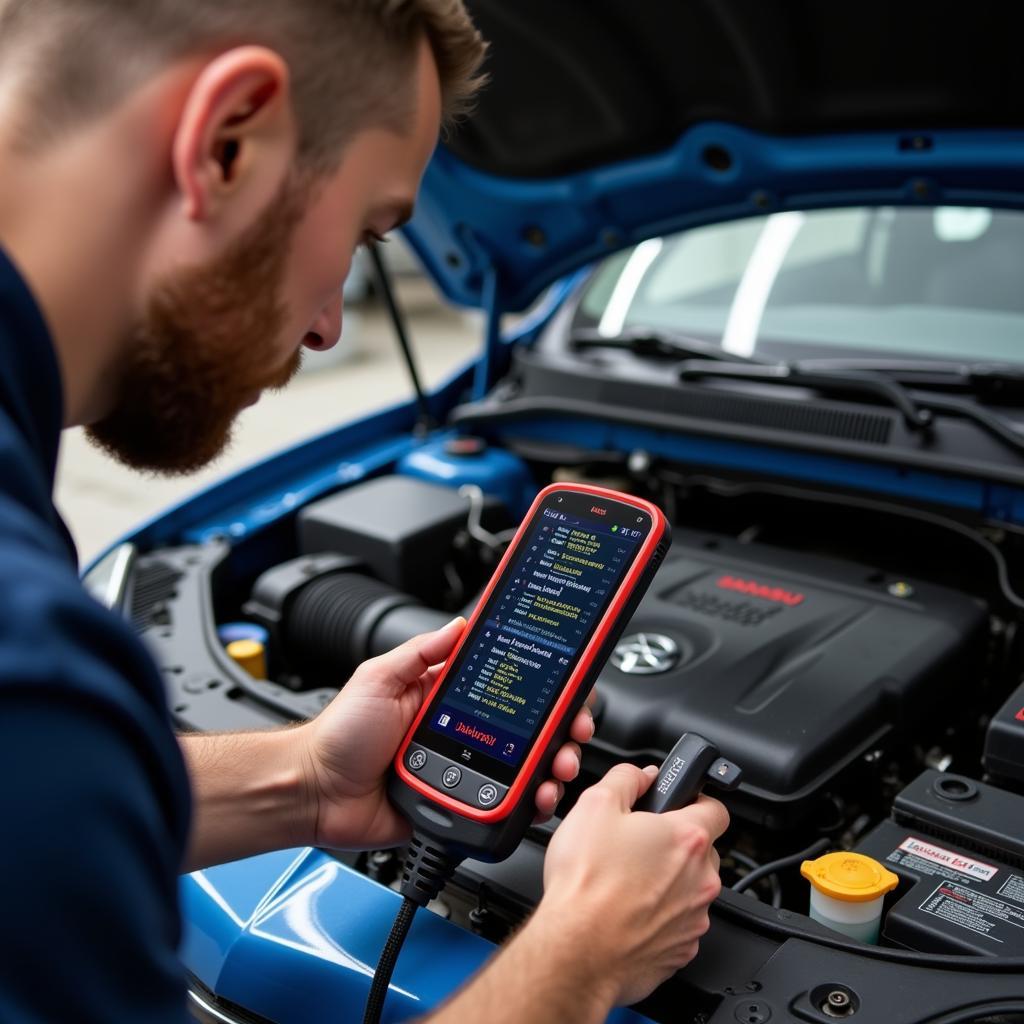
{"type": "Point", "coordinates": [452, 776]}
{"type": "Point", "coordinates": [417, 759]}
{"type": "Point", "coordinates": [487, 795]}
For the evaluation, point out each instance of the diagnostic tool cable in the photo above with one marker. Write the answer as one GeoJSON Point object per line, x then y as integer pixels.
{"type": "Point", "coordinates": [428, 867]}
{"type": "Point", "coordinates": [387, 961]}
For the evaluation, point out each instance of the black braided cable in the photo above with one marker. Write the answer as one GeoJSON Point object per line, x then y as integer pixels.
{"type": "Point", "coordinates": [428, 866]}
{"type": "Point", "coordinates": [388, 959]}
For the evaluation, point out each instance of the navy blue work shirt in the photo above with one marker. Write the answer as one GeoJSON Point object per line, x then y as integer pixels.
{"type": "Point", "coordinates": [94, 799]}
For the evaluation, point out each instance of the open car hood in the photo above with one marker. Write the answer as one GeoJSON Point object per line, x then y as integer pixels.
{"type": "Point", "coordinates": [609, 121]}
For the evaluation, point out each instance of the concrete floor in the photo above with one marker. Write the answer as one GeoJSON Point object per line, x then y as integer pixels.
{"type": "Point", "coordinates": [102, 500]}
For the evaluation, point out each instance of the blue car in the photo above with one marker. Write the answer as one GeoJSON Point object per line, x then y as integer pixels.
{"type": "Point", "coordinates": [769, 261]}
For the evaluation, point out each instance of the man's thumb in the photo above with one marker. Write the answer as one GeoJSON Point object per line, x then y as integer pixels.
{"type": "Point", "coordinates": [405, 664]}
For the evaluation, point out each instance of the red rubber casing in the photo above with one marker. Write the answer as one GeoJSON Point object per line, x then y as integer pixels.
{"type": "Point", "coordinates": [492, 834]}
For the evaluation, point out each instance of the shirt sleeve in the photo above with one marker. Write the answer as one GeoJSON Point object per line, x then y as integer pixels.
{"type": "Point", "coordinates": [94, 801]}
{"type": "Point", "coordinates": [89, 907]}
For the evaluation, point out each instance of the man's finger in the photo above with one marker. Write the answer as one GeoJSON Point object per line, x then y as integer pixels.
{"type": "Point", "coordinates": [627, 783]}
{"type": "Point", "coordinates": [566, 765]}
{"type": "Point", "coordinates": [708, 813]}
{"type": "Point", "coordinates": [582, 728]}
{"type": "Point", "coordinates": [548, 795]}
{"type": "Point", "coordinates": [406, 664]}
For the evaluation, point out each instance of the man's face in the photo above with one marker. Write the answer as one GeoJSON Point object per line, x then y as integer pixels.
{"type": "Point", "coordinates": [214, 337]}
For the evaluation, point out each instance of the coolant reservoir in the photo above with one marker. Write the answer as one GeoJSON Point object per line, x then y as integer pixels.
{"type": "Point", "coordinates": [455, 461]}
{"type": "Point", "coordinates": [847, 892]}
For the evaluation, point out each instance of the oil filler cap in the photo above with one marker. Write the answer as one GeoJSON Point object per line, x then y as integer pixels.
{"type": "Point", "coordinates": [249, 655]}
{"type": "Point", "coordinates": [849, 877]}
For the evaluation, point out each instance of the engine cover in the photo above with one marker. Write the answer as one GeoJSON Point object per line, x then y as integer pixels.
{"type": "Point", "coordinates": [794, 665]}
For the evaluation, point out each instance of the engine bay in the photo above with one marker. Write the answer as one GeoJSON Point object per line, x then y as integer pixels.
{"type": "Point", "coordinates": [857, 659]}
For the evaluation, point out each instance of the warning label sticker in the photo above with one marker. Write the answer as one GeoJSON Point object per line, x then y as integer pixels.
{"type": "Point", "coordinates": [1013, 889]}
{"type": "Point", "coordinates": [947, 858]}
{"type": "Point", "coordinates": [966, 908]}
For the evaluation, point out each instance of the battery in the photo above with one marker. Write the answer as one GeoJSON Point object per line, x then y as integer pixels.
{"type": "Point", "coordinates": [961, 888]}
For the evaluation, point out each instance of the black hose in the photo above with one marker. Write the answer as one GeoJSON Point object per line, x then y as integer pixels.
{"type": "Point", "coordinates": [980, 1012]}
{"type": "Point", "coordinates": [336, 622]}
{"type": "Point", "coordinates": [752, 865]}
{"type": "Point", "coordinates": [935, 961]}
{"type": "Point", "coordinates": [780, 865]}
{"type": "Point", "coordinates": [388, 959]}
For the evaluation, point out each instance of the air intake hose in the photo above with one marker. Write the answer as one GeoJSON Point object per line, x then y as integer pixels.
{"type": "Point", "coordinates": [325, 617]}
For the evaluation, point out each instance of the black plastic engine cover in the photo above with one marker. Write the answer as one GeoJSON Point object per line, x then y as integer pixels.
{"type": "Point", "coordinates": [793, 665]}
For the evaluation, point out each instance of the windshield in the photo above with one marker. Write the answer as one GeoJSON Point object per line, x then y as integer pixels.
{"type": "Point", "coordinates": [939, 282]}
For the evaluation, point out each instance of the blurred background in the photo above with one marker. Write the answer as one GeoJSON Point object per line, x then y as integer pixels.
{"type": "Point", "coordinates": [101, 500]}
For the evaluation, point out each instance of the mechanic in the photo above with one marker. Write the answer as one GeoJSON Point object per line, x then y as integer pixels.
{"type": "Point", "coordinates": [183, 187]}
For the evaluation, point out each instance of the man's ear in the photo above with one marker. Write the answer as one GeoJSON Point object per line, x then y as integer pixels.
{"type": "Point", "coordinates": [236, 135]}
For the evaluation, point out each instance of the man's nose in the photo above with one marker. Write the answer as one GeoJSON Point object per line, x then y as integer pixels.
{"type": "Point", "coordinates": [326, 329]}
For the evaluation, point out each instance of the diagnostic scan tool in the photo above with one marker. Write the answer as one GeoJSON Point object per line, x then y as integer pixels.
{"type": "Point", "coordinates": [467, 773]}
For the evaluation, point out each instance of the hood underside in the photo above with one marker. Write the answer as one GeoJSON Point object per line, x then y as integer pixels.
{"type": "Point", "coordinates": [608, 121]}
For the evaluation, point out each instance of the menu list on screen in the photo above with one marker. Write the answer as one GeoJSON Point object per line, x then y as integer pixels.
{"type": "Point", "coordinates": [498, 694]}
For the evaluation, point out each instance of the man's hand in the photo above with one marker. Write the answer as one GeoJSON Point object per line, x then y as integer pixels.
{"type": "Point", "coordinates": [349, 747]}
{"type": "Point", "coordinates": [633, 888]}
{"type": "Point", "coordinates": [625, 904]}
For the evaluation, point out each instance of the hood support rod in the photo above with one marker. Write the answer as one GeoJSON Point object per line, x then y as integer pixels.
{"type": "Point", "coordinates": [424, 421]}
{"type": "Point", "coordinates": [490, 358]}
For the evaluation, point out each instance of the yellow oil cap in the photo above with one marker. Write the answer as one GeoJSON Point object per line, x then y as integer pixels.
{"type": "Point", "coordinates": [250, 655]}
{"type": "Point", "coordinates": [850, 877]}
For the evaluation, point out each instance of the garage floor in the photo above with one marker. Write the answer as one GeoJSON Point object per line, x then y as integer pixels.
{"type": "Point", "coordinates": [102, 501]}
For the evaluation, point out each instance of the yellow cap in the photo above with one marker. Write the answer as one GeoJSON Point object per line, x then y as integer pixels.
{"type": "Point", "coordinates": [850, 877]}
{"type": "Point", "coordinates": [250, 655]}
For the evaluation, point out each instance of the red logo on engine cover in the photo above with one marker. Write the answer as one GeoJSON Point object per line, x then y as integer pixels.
{"type": "Point", "coordinates": [762, 590]}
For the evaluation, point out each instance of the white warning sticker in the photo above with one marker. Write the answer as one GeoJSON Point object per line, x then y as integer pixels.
{"type": "Point", "coordinates": [1013, 889]}
{"type": "Point", "coordinates": [956, 861]}
{"type": "Point", "coordinates": [966, 908]}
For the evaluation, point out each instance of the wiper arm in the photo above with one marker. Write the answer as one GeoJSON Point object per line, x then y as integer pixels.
{"type": "Point", "coordinates": [796, 374]}
{"type": "Point", "coordinates": [658, 344]}
{"type": "Point", "coordinates": [997, 382]}
{"type": "Point", "coordinates": [986, 384]}
{"type": "Point", "coordinates": [891, 384]}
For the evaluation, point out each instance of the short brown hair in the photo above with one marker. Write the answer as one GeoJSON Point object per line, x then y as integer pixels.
{"type": "Point", "coordinates": [78, 58]}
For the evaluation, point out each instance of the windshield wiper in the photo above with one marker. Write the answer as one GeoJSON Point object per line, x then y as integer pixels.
{"type": "Point", "coordinates": [862, 382]}
{"type": "Point", "coordinates": [890, 380]}
{"type": "Point", "coordinates": [987, 381]}
{"type": "Point", "coordinates": [978, 383]}
{"type": "Point", "coordinates": [658, 344]}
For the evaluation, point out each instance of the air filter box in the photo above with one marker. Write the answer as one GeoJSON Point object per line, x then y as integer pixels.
{"type": "Point", "coordinates": [402, 529]}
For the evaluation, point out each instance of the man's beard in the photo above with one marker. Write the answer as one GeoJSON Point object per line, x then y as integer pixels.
{"type": "Point", "coordinates": [207, 345]}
